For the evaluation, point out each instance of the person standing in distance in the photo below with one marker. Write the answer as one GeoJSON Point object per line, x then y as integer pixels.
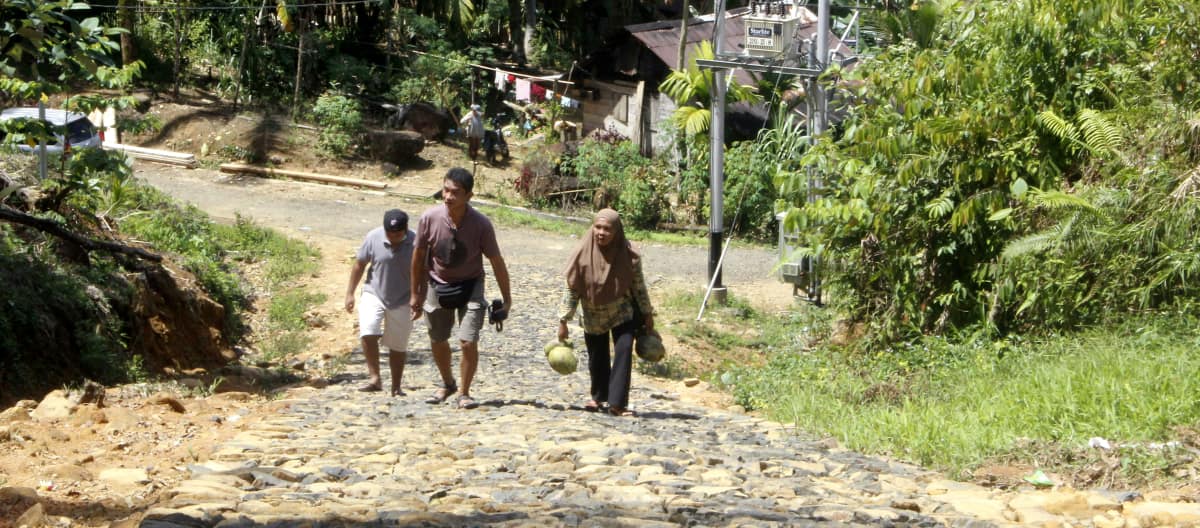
{"type": "Point", "coordinates": [474, 130]}
{"type": "Point", "coordinates": [448, 277]}
{"type": "Point", "coordinates": [604, 275]}
{"type": "Point", "coordinates": [383, 315]}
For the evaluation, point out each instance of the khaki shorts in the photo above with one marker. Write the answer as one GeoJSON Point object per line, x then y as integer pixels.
{"type": "Point", "coordinates": [470, 317]}
{"type": "Point", "coordinates": [374, 319]}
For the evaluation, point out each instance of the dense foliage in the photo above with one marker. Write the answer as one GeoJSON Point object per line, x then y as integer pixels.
{"type": "Point", "coordinates": [1015, 170]}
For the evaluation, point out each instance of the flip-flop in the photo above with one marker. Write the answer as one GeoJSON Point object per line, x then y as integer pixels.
{"type": "Point", "coordinates": [591, 406]}
{"type": "Point", "coordinates": [370, 388]}
{"type": "Point", "coordinates": [621, 411]}
{"type": "Point", "coordinates": [467, 402]}
{"type": "Point", "coordinates": [442, 395]}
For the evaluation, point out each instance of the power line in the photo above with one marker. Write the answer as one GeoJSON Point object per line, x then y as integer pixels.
{"type": "Point", "coordinates": [168, 8]}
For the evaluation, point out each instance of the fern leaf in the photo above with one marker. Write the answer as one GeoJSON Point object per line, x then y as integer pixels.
{"type": "Point", "coordinates": [1058, 126]}
{"type": "Point", "coordinates": [1030, 244]}
{"type": "Point", "coordinates": [1060, 200]}
{"type": "Point", "coordinates": [1101, 135]}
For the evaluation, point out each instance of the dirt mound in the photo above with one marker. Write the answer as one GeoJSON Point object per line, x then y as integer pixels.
{"type": "Point", "coordinates": [66, 320]}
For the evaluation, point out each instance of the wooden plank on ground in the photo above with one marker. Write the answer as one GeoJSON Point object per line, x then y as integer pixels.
{"type": "Point", "coordinates": [306, 176]}
{"type": "Point", "coordinates": [155, 155]}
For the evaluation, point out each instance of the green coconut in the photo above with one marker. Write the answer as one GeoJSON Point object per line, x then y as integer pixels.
{"type": "Point", "coordinates": [556, 343]}
{"type": "Point", "coordinates": [650, 348]}
{"type": "Point", "coordinates": [562, 359]}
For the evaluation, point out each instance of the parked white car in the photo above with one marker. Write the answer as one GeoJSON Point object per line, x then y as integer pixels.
{"type": "Point", "coordinates": [72, 129]}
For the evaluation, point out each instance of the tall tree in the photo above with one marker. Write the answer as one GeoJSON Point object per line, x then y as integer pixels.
{"type": "Point", "coordinates": [531, 18]}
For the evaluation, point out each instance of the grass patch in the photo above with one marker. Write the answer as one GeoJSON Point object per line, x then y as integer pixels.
{"type": "Point", "coordinates": [550, 223]}
{"type": "Point", "coordinates": [221, 255]}
{"type": "Point", "coordinates": [959, 404]}
{"type": "Point", "coordinates": [953, 405]}
{"type": "Point", "coordinates": [730, 336]}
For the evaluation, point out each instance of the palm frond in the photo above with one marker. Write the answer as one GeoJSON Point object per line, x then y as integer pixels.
{"type": "Point", "coordinates": [698, 121]}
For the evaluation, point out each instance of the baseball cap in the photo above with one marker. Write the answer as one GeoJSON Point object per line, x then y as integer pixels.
{"type": "Point", "coordinates": [474, 107]}
{"type": "Point", "coordinates": [395, 220]}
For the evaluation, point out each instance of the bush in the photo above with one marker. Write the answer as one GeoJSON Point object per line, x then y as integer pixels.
{"type": "Point", "coordinates": [341, 123]}
{"type": "Point", "coordinates": [624, 180]}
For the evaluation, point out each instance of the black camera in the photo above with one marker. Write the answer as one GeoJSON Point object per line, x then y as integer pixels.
{"type": "Point", "coordinates": [497, 314]}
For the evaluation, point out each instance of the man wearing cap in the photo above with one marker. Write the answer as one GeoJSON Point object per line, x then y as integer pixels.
{"type": "Point", "coordinates": [474, 129]}
{"type": "Point", "coordinates": [383, 308]}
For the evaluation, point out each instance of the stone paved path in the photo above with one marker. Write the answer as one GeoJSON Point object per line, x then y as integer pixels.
{"type": "Point", "coordinates": [531, 456]}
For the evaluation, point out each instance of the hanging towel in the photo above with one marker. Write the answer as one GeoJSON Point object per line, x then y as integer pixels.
{"type": "Point", "coordinates": [501, 81]}
{"type": "Point", "coordinates": [567, 102]}
{"type": "Point", "coordinates": [522, 90]}
{"type": "Point", "coordinates": [537, 92]}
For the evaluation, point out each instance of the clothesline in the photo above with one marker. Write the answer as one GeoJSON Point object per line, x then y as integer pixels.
{"type": "Point", "coordinates": [556, 78]}
{"type": "Point", "coordinates": [525, 88]}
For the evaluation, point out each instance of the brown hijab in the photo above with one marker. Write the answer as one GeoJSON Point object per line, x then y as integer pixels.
{"type": "Point", "coordinates": [602, 274]}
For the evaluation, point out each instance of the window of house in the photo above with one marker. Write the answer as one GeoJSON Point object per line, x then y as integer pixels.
{"type": "Point", "coordinates": [621, 108]}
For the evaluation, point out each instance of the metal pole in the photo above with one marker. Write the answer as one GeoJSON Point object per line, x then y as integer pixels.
{"type": "Point", "coordinates": [820, 124]}
{"type": "Point", "coordinates": [822, 63]}
{"type": "Point", "coordinates": [717, 158]}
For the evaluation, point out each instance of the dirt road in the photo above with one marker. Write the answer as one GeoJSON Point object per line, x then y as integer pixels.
{"type": "Point", "coordinates": [312, 211]}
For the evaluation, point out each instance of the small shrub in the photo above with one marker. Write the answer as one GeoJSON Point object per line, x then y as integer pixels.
{"type": "Point", "coordinates": [341, 123]}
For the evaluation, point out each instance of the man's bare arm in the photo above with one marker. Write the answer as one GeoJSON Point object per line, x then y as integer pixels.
{"type": "Point", "coordinates": [418, 283]}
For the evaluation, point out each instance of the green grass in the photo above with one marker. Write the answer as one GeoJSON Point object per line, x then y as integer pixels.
{"type": "Point", "coordinates": [215, 252]}
{"type": "Point", "coordinates": [957, 404]}
{"type": "Point", "coordinates": [1128, 385]}
{"type": "Point", "coordinates": [551, 223]}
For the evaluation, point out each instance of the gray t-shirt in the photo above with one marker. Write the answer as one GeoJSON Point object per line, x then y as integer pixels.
{"type": "Point", "coordinates": [389, 276]}
{"type": "Point", "coordinates": [456, 251]}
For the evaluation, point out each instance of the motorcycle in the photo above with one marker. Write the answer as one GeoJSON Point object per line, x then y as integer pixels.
{"type": "Point", "coordinates": [495, 147]}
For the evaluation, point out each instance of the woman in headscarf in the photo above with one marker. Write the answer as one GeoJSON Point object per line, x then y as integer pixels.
{"type": "Point", "coordinates": [604, 276]}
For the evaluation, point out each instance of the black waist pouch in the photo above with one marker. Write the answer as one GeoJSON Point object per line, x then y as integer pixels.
{"type": "Point", "coordinates": [454, 295]}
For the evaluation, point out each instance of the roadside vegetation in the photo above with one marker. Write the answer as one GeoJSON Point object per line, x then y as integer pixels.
{"type": "Point", "coordinates": [958, 403]}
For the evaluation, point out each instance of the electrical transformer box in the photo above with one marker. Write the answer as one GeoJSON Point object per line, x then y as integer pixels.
{"type": "Point", "coordinates": [771, 28]}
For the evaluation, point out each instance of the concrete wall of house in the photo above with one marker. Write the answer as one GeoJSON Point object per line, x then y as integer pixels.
{"type": "Point", "coordinates": [661, 129]}
{"type": "Point", "coordinates": [616, 105]}
{"type": "Point", "coordinates": [613, 106]}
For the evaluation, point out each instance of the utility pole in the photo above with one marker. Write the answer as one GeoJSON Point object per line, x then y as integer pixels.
{"type": "Point", "coordinates": [766, 58]}
{"type": "Point", "coordinates": [716, 164]}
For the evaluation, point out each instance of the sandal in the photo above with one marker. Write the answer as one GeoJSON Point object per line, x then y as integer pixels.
{"type": "Point", "coordinates": [467, 402]}
{"type": "Point", "coordinates": [620, 411]}
{"type": "Point", "coordinates": [591, 406]}
{"type": "Point", "coordinates": [442, 395]}
{"type": "Point", "coordinates": [370, 387]}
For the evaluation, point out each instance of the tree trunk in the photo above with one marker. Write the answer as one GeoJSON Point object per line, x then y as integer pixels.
{"type": "Point", "coordinates": [178, 19]}
{"type": "Point", "coordinates": [299, 70]}
{"type": "Point", "coordinates": [128, 53]}
{"type": "Point", "coordinates": [515, 36]}
{"type": "Point", "coordinates": [530, 25]}
{"type": "Point", "coordinates": [681, 62]}
{"type": "Point", "coordinates": [247, 37]}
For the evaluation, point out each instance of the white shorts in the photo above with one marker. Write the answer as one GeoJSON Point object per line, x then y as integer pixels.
{"type": "Point", "coordinates": [397, 323]}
